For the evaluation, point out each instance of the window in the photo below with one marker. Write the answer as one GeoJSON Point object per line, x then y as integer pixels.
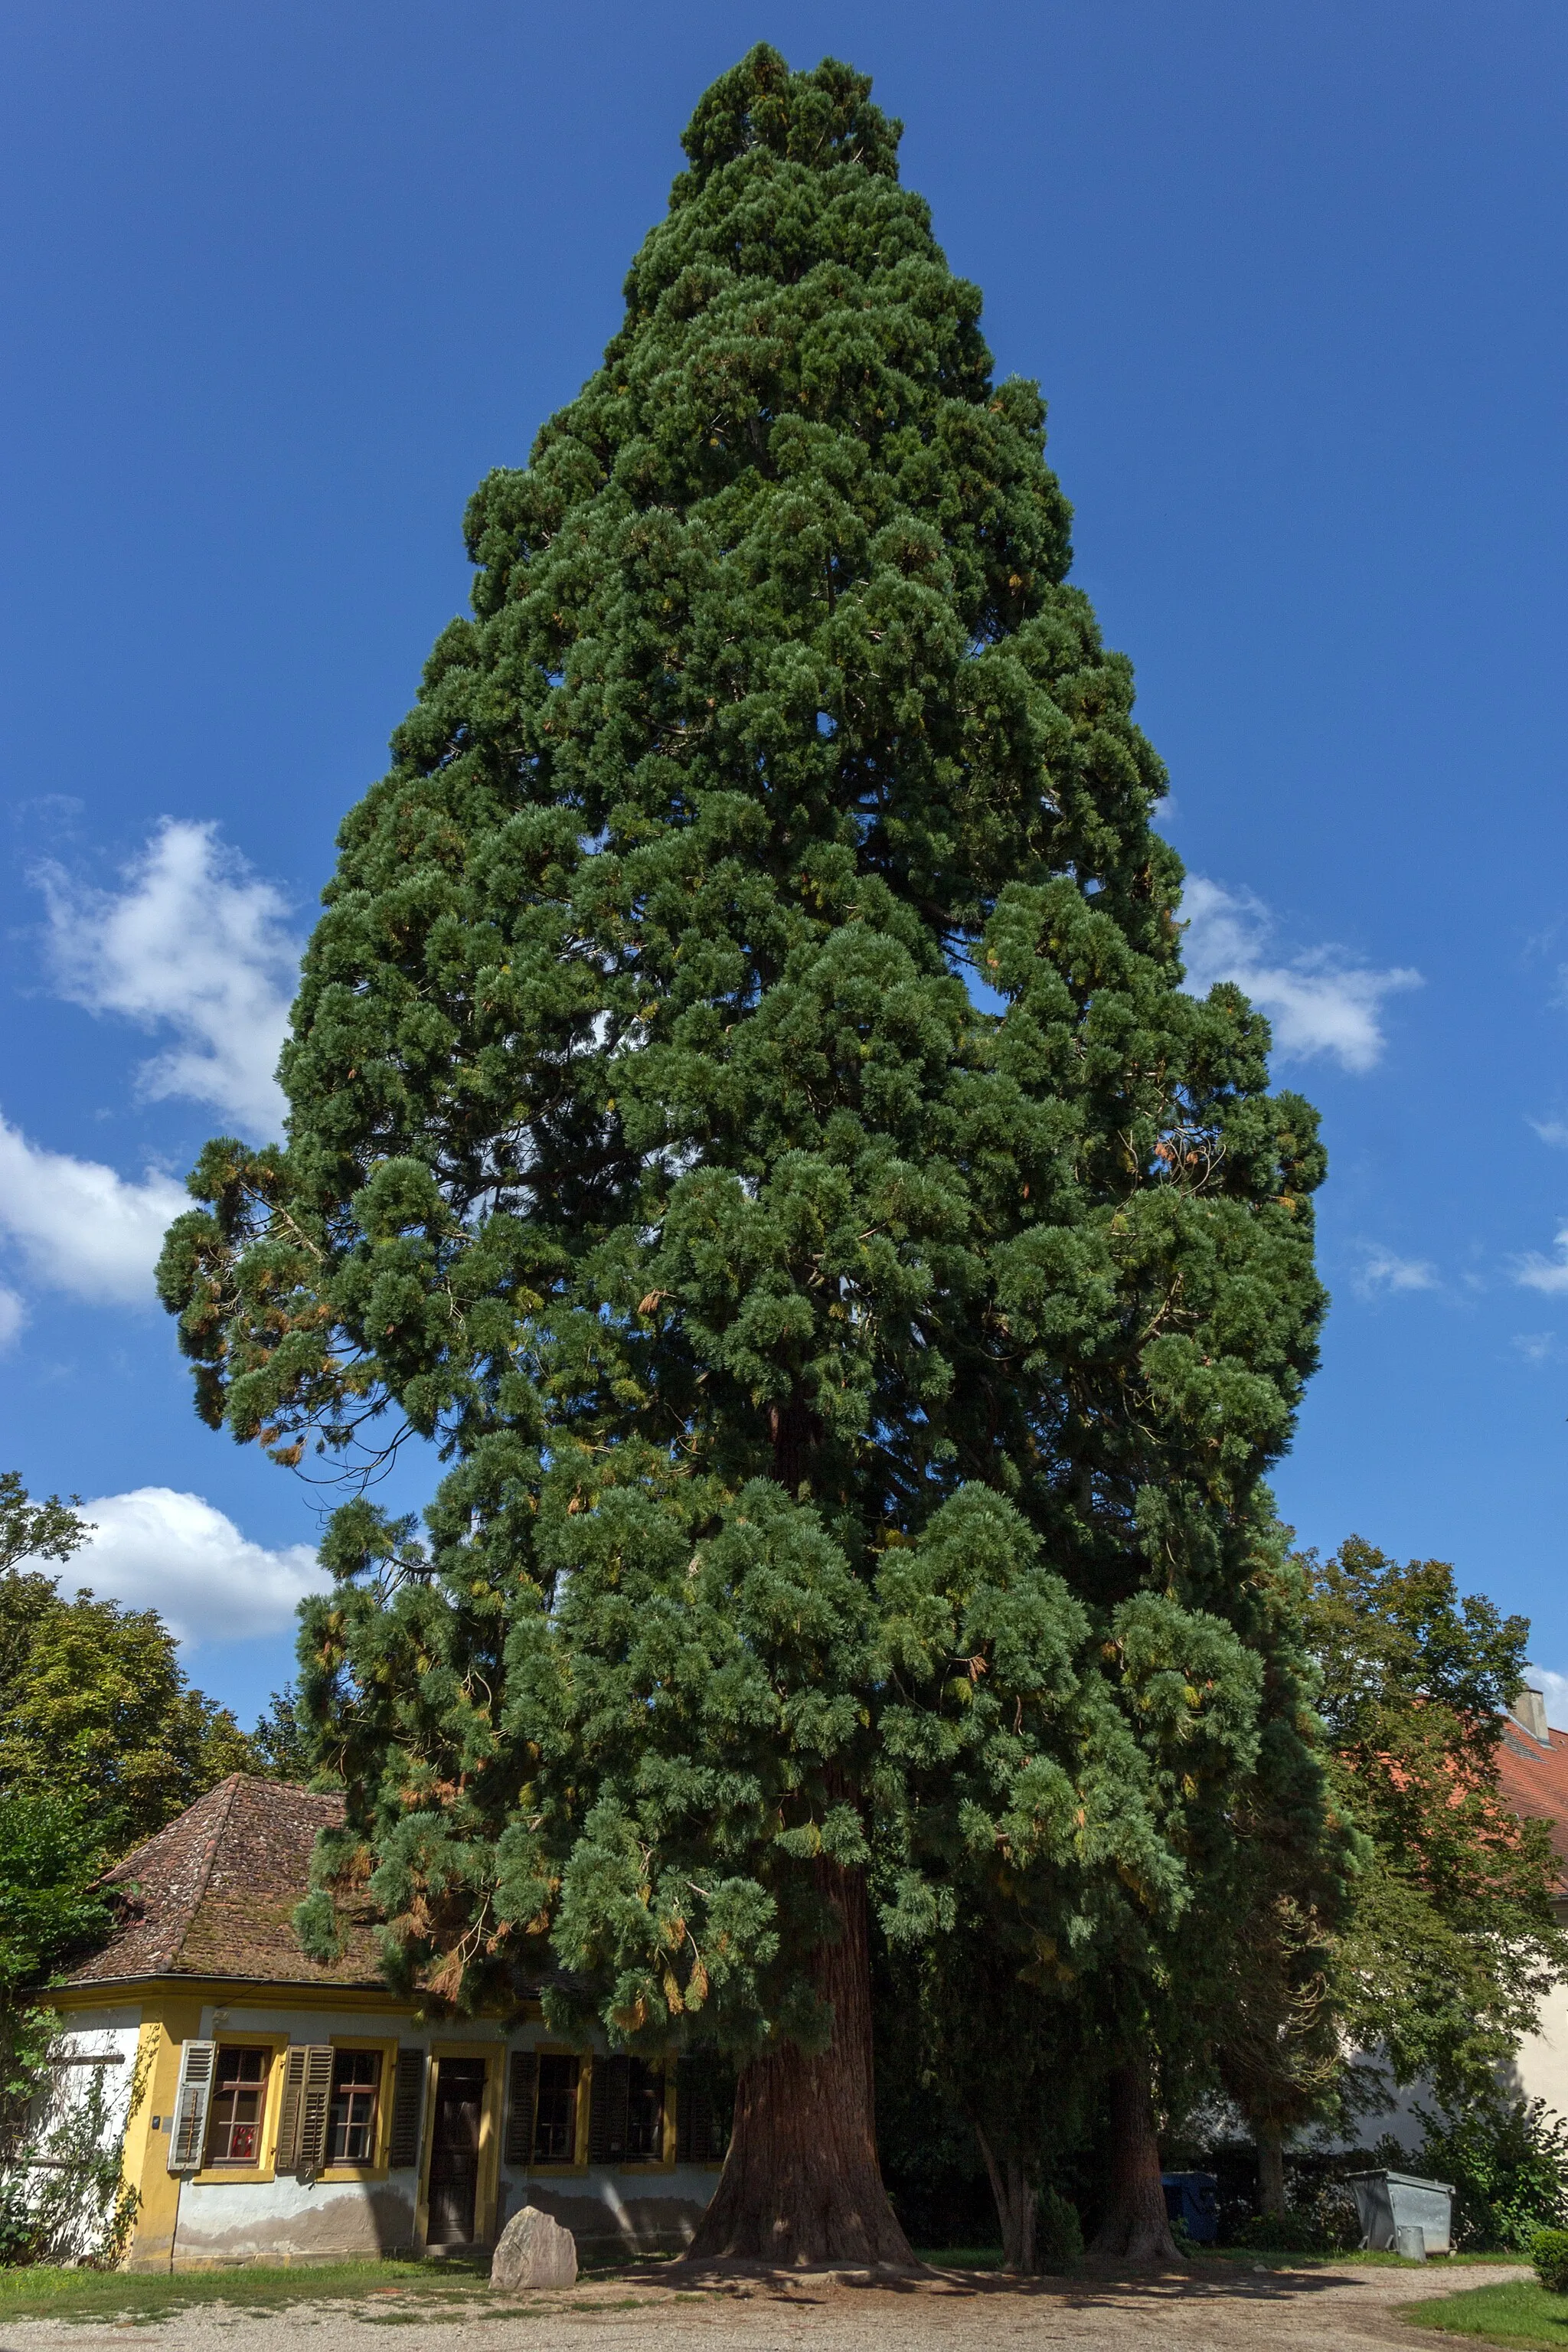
{"type": "Point", "coordinates": [351, 2130]}
{"type": "Point", "coordinates": [645, 2112]}
{"type": "Point", "coordinates": [555, 2116]}
{"type": "Point", "coordinates": [239, 2099]}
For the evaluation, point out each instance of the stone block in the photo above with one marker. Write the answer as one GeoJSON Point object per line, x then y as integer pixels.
{"type": "Point", "coordinates": [533, 2250]}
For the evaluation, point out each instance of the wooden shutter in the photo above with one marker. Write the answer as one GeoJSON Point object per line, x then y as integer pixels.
{"type": "Point", "coordinates": [522, 2086]}
{"type": "Point", "coordinates": [189, 2137]}
{"type": "Point", "coordinates": [287, 2155]}
{"type": "Point", "coordinates": [407, 2103]}
{"type": "Point", "coordinates": [315, 2108]}
{"type": "Point", "coordinates": [696, 2141]}
{"type": "Point", "coordinates": [609, 2091]}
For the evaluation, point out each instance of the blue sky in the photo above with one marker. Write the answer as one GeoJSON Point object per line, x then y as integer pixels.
{"type": "Point", "coordinates": [280, 284]}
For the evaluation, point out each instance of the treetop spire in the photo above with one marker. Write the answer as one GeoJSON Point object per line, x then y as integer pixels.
{"type": "Point", "coordinates": [822, 118]}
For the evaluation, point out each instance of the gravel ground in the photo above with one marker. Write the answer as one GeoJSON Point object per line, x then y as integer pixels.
{"type": "Point", "coordinates": [1332, 2311]}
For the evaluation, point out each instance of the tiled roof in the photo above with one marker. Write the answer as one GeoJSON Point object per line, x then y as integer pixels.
{"type": "Point", "coordinates": [212, 1893]}
{"type": "Point", "coordinates": [1532, 1779]}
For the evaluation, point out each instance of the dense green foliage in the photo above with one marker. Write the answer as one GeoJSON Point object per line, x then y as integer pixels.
{"type": "Point", "coordinates": [281, 1742]}
{"type": "Point", "coordinates": [102, 1742]}
{"type": "Point", "coordinates": [93, 1699]}
{"type": "Point", "coordinates": [854, 1382]}
{"type": "Point", "coordinates": [52, 1530]}
{"type": "Point", "coordinates": [1507, 2162]}
{"type": "Point", "coordinates": [1452, 1938]}
{"type": "Point", "coordinates": [1549, 2251]}
{"type": "Point", "coordinates": [50, 1855]}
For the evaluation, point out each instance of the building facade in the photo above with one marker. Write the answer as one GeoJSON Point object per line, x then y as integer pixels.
{"type": "Point", "coordinates": [276, 2108]}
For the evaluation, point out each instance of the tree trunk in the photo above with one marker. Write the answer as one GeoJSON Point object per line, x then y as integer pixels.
{"type": "Point", "coordinates": [1270, 2166]}
{"type": "Point", "coordinates": [1135, 2227]}
{"type": "Point", "coordinates": [1017, 2202]}
{"type": "Point", "coordinates": [801, 2185]}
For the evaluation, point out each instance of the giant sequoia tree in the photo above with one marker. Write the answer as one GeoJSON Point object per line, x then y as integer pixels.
{"type": "Point", "coordinates": [853, 1383]}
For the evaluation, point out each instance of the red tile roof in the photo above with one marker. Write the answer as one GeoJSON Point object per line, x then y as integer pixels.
{"type": "Point", "coordinates": [212, 1895]}
{"type": "Point", "coordinates": [1532, 1778]}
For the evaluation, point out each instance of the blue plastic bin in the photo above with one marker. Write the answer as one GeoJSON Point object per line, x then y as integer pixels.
{"type": "Point", "coordinates": [1193, 2198]}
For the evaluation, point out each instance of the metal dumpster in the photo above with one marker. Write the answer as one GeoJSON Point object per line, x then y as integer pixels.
{"type": "Point", "coordinates": [1388, 2202]}
{"type": "Point", "coordinates": [1193, 2198]}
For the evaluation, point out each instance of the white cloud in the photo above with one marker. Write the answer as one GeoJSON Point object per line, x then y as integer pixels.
{"type": "Point", "coordinates": [1535, 1346]}
{"type": "Point", "coordinates": [12, 1315]}
{"type": "Point", "coordinates": [1553, 1689]}
{"type": "Point", "coordinates": [1552, 1131]}
{"type": "Point", "coordinates": [194, 944]}
{"type": "Point", "coordinates": [1381, 1270]}
{"type": "Point", "coordinates": [1534, 1272]}
{"type": "Point", "coordinates": [82, 1227]}
{"type": "Point", "coordinates": [157, 1548]}
{"type": "Point", "coordinates": [1319, 1002]}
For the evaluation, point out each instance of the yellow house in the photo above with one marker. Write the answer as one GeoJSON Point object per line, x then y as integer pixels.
{"type": "Point", "coordinates": [274, 2109]}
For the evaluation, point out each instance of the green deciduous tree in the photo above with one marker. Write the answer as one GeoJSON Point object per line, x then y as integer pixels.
{"type": "Point", "coordinates": [29, 1530]}
{"type": "Point", "coordinates": [1453, 1939]}
{"type": "Point", "coordinates": [93, 1701]}
{"type": "Point", "coordinates": [854, 1384]}
{"type": "Point", "coordinates": [51, 1910]}
{"type": "Point", "coordinates": [280, 1741]}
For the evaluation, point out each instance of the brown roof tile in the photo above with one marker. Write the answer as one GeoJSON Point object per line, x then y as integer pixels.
{"type": "Point", "coordinates": [212, 1893]}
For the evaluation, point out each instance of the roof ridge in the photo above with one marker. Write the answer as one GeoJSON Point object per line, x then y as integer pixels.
{"type": "Point", "coordinates": [122, 1869]}
{"type": "Point", "coordinates": [226, 1791]}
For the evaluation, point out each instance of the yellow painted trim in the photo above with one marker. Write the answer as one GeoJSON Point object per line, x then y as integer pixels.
{"type": "Point", "coordinates": [670, 2144]}
{"type": "Point", "coordinates": [230, 1992]}
{"type": "Point", "coordinates": [138, 2122]}
{"type": "Point", "coordinates": [252, 1993]}
{"type": "Point", "coordinates": [488, 2182]}
{"type": "Point", "coordinates": [164, 2032]}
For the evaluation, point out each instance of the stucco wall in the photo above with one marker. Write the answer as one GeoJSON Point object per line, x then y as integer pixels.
{"type": "Point", "coordinates": [113, 2035]}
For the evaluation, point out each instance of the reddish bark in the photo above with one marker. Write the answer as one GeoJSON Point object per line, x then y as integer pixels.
{"type": "Point", "coordinates": [1136, 2228]}
{"type": "Point", "coordinates": [801, 2185]}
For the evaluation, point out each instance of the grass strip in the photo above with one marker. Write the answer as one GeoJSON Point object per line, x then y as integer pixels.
{"type": "Point", "coordinates": [1265, 2258]}
{"type": "Point", "coordinates": [35, 2291]}
{"type": "Point", "coordinates": [1521, 2314]}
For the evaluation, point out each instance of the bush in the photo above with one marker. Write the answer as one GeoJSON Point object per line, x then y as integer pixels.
{"type": "Point", "coordinates": [1508, 2160]}
{"type": "Point", "coordinates": [1336, 2219]}
{"type": "Point", "coordinates": [1329, 2225]}
{"type": "Point", "coordinates": [1059, 2233]}
{"type": "Point", "coordinates": [18, 2238]}
{"type": "Point", "coordinates": [1550, 2255]}
{"type": "Point", "coordinates": [1290, 2232]}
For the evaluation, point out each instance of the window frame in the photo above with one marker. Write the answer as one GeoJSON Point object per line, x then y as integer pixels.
{"type": "Point", "coordinates": [356, 2118]}
{"type": "Point", "coordinates": [272, 2045]}
{"type": "Point", "coordinates": [234, 2088]}
{"type": "Point", "coordinates": [555, 2168]}
{"type": "Point", "coordinates": [574, 2162]}
{"type": "Point", "coordinates": [377, 2164]}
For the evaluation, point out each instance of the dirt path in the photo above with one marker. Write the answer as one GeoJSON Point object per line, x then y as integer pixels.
{"type": "Point", "coordinates": [1348, 2310]}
